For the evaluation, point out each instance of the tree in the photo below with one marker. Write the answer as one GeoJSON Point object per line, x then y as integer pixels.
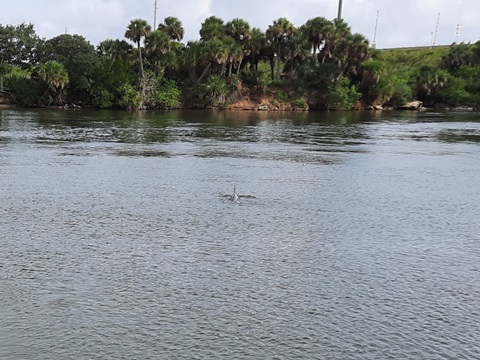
{"type": "Point", "coordinates": [54, 74]}
{"type": "Point", "coordinates": [136, 31]}
{"type": "Point", "coordinates": [114, 49]}
{"type": "Point", "coordinates": [238, 29]}
{"type": "Point", "coordinates": [215, 55]}
{"type": "Point", "coordinates": [459, 55]}
{"type": "Point", "coordinates": [212, 28]}
{"type": "Point", "coordinates": [297, 49]}
{"type": "Point", "coordinates": [278, 34]}
{"type": "Point", "coordinates": [19, 45]}
{"type": "Point", "coordinates": [254, 45]}
{"type": "Point", "coordinates": [80, 60]}
{"type": "Point", "coordinates": [214, 90]}
{"type": "Point", "coordinates": [429, 80]}
{"type": "Point", "coordinates": [376, 85]}
{"type": "Point", "coordinates": [173, 28]}
{"type": "Point", "coordinates": [114, 72]}
{"type": "Point", "coordinates": [157, 45]}
{"type": "Point", "coordinates": [317, 31]}
{"type": "Point", "coordinates": [191, 58]}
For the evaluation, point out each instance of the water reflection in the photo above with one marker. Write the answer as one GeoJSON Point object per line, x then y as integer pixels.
{"type": "Point", "coordinates": [318, 131]}
{"type": "Point", "coordinates": [460, 135]}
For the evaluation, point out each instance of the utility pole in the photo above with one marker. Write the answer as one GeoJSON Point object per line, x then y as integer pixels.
{"type": "Point", "coordinates": [155, 16]}
{"type": "Point", "coordinates": [374, 43]}
{"type": "Point", "coordinates": [340, 6]}
{"type": "Point", "coordinates": [436, 31]}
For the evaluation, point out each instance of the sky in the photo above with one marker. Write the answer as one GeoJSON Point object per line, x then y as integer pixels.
{"type": "Point", "coordinates": [400, 23]}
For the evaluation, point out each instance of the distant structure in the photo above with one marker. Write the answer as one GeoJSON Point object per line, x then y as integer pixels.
{"type": "Point", "coordinates": [457, 33]}
{"type": "Point", "coordinates": [374, 43]}
{"type": "Point", "coordinates": [155, 16]}
{"type": "Point", "coordinates": [340, 5]}
{"type": "Point", "coordinates": [434, 41]}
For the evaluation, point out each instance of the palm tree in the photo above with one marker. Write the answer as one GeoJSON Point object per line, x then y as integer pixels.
{"type": "Point", "coordinates": [192, 58]}
{"type": "Point", "coordinates": [56, 77]}
{"type": "Point", "coordinates": [173, 27]}
{"type": "Point", "coordinates": [214, 53]}
{"type": "Point", "coordinates": [297, 49]}
{"type": "Point", "coordinates": [428, 80]}
{"type": "Point", "coordinates": [459, 55]}
{"type": "Point", "coordinates": [317, 31]}
{"type": "Point", "coordinates": [238, 29]}
{"type": "Point", "coordinates": [358, 52]}
{"type": "Point", "coordinates": [157, 45]}
{"type": "Point", "coordinates": [235, 53]}
{"type": "Point", "coordinates": [114, 49]}
{"type": "Point", "coordinates": [255, 45]}
{"type": "Point", "coordinates": [136, 31]}
{"type": "Point", "coordinates": [212, 28]}
{"type": "Point", "coordinates": [278, 34]}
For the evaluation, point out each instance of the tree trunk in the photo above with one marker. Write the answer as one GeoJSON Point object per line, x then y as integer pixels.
{"type": "Point", "coordinates": [239, 66]}
{"type": "Point", "coordinates": [272, 66]}
{"type": "Point", "coordinates": [204, 72]}
{"type": "Point", "coordinates": [278, 63]}
{"type": "Point", "coordinates": [140, 58]}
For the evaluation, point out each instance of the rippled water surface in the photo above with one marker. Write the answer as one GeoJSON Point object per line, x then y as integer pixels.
{"type": "Point", "coordinates": [357, 235]}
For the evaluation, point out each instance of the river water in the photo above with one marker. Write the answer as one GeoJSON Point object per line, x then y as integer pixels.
{"type": "Point", "coordinates": [357, 235]}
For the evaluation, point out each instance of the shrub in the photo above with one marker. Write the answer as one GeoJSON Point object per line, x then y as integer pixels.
{"type": "Point", "coordinates": [130, 98]}
{"type": "Point", "coordinates": [343, 95]}
{"type": "Point", "coordinates": [214, 91]}
{"type": "Point", "coordinates": [168, 94]}
{"type": "Point", "coordinates": [104, 100]}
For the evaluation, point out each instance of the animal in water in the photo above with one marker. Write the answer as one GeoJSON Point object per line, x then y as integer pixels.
{"type": "Point", "coordinates": [234, 196]}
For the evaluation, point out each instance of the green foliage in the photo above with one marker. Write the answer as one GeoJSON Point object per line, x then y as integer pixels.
{"type": "Point", "coordinates": [300, 104]}
{"type": "Point", "coordinates": [376, 84]}
{"type": "Point", "coordinates": [343, 95]}
{"type": "Point", "coordinates": [453, 93]}
{"type": "Point", "coordinates": [321, 59]}
{"type": "Point", "coordinates": [212, 28]}
{"type": "Point", "coordinates": [130, 98]}
{"type": "Point", "coordinates": [471, 76]}
{"type": "Point", "coordinates": [53, 73]}
{"type": "Point", "coordinates": [401, 93]}
{"type": "Point", "coordinates": [253, 78]}
{"type": "Point", "coordinates": [281, 95]}
{"type": "Point", "coordinates": [81, 62]}
{"type": "Point", "coordinates": [19, 45]}
{"type": "Point", "coordinates": [460, 55]}
{"type": "Point", "coordinates": [168, 94]}
{"type": "Point", "coordinates": [214, 91]}
{"type": "Point", "coordinates": [25, 90]}
{"type": "Point", "coordinates": [104, 100]}
{"type": "Point", "coordinates": [428, 80]}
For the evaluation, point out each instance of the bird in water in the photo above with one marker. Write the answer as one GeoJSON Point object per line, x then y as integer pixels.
{"type": "Point", "coordinates": [234, 196]}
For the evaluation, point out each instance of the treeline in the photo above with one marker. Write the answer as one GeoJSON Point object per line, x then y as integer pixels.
{"type": "Point", "coordinates": [320, 64]}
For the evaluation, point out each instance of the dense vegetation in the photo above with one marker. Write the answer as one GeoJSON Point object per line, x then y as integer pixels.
{"type": "Point", "coordinates": [321, 65]}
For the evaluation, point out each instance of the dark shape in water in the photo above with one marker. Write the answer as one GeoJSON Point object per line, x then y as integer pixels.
{"type": "Point", "coordinates": [234, 196]}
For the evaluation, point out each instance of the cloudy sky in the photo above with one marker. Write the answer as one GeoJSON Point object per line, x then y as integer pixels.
{"type": "Point", "coordinates": [400, 23]}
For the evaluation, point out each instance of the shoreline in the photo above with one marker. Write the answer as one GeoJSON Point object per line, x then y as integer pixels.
{"type": "Point", "coordinates": [264, 108]}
